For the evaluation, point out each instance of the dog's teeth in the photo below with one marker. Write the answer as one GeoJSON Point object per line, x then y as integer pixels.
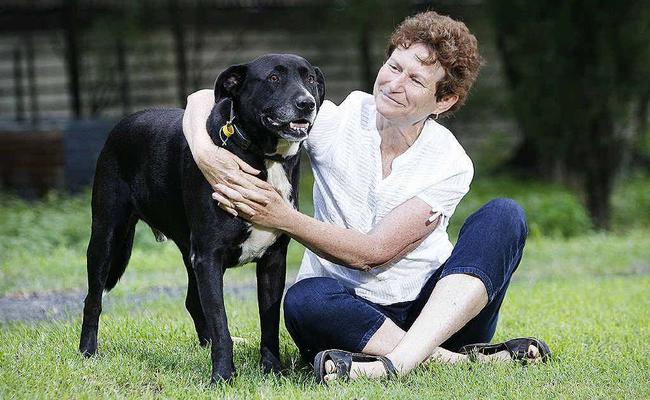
{"type": "Point", "coordinates": [298, 125]}
{"type": "Point", "coordinates": [272, 122]}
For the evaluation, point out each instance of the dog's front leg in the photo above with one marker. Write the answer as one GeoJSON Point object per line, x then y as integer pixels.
{"type": "Point", "coordinates": [271, 271]}
{"type": "Point", "coordinates": [208, 269]}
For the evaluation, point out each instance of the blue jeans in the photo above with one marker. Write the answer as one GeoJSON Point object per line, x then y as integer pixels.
{"type": "Point", "coordinates": [320, 313]}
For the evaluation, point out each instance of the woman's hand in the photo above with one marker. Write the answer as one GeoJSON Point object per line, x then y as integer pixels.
{"type": "Point", "coordinates": [218, 165]}
{"type": "Point", "coordinates": [254, 200]}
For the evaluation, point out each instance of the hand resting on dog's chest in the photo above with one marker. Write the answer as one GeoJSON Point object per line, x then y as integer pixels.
{"type": "Point", "coordinates": [261, 238]}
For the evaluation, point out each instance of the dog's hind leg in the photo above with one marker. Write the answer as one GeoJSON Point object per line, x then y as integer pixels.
{"type": "Point", "coordinates": [109, 249]}
{"type": "Point", "coordinates": [193, 304]}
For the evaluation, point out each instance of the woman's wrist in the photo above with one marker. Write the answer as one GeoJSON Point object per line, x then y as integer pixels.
{"type": "Point", "coordinates": [208, 153]}
{"type": "Point", "coordinates": [291, 218]}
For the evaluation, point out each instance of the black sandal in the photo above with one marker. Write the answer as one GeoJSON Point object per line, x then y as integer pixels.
{"type": "Point", "coordinates": [343, 361]}
{"type": "Point", "coordinates": [518, 349]}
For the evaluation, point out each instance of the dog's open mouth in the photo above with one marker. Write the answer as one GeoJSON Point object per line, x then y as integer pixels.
{"type": "Point", "coordinates": [293, 130]}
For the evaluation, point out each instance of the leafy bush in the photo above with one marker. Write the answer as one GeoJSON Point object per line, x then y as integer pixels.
{"type": "Point", "coordinates": [58, 220]}
{"type": "Point", "coordinates": [62, 220]}
{"type": "Point", "coordinates": [631, 203]}
{"type": "Point", "coordinates": [550, 209]}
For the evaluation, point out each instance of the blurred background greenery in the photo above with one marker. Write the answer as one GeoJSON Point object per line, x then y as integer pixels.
{"type": "Point", "coordinates": [558, 118]}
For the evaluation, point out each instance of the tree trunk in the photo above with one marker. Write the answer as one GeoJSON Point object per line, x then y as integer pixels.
{"type": "Point", "coordinates": [603, 152]}
{"type": "Point", "coordinates": [175, 14]}
{"type": "Point", "coordinates": [525, 160]}
{"type": "Point", "coordinates": [367, 75]}
{"type": "Point", "coordinates": [72, 55]}
{"type": "Point", "coordinates": [122, 66]}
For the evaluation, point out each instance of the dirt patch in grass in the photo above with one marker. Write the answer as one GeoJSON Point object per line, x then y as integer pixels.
{"type": "Point", "coordinates": [30, 307]}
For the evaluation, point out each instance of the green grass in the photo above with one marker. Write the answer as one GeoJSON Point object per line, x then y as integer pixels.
{"type": "Point", "coordinates": [585, 294]}
{"type": "Point", "coordinates": [597, 326]}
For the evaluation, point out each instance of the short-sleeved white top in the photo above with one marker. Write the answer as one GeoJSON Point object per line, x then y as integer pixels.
{"type": "Point", "coordinates": [349, 191]}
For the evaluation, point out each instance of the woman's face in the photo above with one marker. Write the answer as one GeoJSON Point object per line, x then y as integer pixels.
{"type": "Point", "coordinates": [405, 88]}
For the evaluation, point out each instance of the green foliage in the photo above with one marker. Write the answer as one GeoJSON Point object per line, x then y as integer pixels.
{"type": "Point", "coordinates": [550, 209]}
{"type": "Point", "coordinates": [41, 241]}
{"type": "Point", "coordinates": [58, 220]}
{"type": "Point", "coordinates": [577, 70]}
{"type": "Point", "coordinates": [631, 203]}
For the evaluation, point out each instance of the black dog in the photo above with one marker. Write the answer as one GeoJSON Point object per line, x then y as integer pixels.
{"type": "Point", "coordinates": [263, 111]}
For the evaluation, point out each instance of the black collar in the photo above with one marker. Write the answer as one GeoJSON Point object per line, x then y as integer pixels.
{"type": "Point", "coordinates": [230, 131]}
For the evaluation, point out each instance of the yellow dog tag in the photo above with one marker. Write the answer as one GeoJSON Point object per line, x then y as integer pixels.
{"type": "Point", "coordinates": [228, 129]}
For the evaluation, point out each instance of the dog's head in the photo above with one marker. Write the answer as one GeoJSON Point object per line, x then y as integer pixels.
{"type": "Point", "coordinates": [280, 93]}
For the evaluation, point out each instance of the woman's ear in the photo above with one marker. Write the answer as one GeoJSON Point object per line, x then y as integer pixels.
{"type": "Point", "coordinates": [445, 103]}
{"type": "Point", "coordinates": [320, 80]}
{"type": "Point", "coordinates": [229, 82]}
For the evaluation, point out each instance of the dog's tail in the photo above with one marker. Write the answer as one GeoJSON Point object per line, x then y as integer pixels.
{"type": "Point", "coordinates": [122, 253]}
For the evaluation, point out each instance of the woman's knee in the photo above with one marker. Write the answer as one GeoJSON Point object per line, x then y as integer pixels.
{"type": "Point", "coordinates": [305, 298]}
{"type": "Point", "coordinates": [509, 215]}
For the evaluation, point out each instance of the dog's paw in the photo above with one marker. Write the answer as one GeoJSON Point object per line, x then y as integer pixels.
{"type": "Point", "coordinates": [88, 344]}
{"type": "Point", "coordinates": [204, 341]}
{"type": "Point", "coordinates": [270, 362]}
{"type": "Point", "coordinates": [222, 375]}
{"type": "Point", "coordinates": [88, 351]}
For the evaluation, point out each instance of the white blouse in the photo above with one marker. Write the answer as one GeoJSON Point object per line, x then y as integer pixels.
{"type": "Point", "coordinates": [350, 191]}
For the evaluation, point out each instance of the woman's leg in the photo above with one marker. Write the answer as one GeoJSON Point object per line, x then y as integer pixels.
{"type": "Point", "coordinates": [469, 291]}
{"type": "Point", "coordinates": [320, 314]}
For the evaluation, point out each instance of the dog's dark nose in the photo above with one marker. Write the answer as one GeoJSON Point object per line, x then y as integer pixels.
{"type": "Point", "coordinates": [305, 103]}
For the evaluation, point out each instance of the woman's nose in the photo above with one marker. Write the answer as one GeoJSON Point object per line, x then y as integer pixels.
{"type": "Point", "coordinates": [397, 82]}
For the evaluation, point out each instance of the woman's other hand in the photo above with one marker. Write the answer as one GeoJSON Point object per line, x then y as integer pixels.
{"type": "Point", "coordinates": [254, 200]}
{"type": "Point", "coordinates": [217, 164]}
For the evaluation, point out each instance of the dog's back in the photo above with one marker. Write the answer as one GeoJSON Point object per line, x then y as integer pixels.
{"type": "Point", "coordinates": [144, 155]}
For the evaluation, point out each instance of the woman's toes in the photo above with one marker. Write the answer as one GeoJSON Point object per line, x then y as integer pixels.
{"type": "Point", "coordinates": [330, 367]}
{"type": "Point", "coordinates": [330, 371]}
{"type": "Point", "coordinates": [533, 352]}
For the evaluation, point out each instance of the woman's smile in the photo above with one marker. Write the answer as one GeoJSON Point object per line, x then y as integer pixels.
{"type": "Point", "coordinates": [392, 100]}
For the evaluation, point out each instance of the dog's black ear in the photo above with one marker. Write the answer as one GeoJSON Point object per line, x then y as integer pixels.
{"type": "Point", "coordinates": [229, 82]}
{"type": "Point", "coordinates": [320, 79]}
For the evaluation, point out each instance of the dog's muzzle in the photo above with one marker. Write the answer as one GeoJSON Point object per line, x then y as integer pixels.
{"type": "Point", "coordinates": [293, 130]}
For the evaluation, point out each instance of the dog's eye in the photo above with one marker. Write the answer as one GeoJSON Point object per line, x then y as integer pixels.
{"type": "Point", "coordinates": [273, 78]}
{"type": "Point", "coordinates": [311, 79]}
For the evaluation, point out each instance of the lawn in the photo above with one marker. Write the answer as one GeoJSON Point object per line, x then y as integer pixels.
{"type": "Point", "coordinates": [585, 294]}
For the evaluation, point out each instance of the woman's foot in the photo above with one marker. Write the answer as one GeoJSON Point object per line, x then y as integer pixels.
{"type": "Point", "coordinates": [449, 357]}
{"type": "Point", "coordinates": [373, 369]}
{"type": "Point", "coordinates": [376, 369]}
{"type": "Point", "coordinates": [524, 349]}
{"type": "Point", "coordinates": [340, 364]}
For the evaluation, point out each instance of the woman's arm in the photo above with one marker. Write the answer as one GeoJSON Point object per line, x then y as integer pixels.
{"type": "Point", "coordinates": [217, 164]}
{"type": "Point", "coordinates": [399, 232]}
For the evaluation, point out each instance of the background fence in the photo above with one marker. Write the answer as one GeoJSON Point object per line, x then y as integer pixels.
{"type": "Point", "coordinates": [62, 61]}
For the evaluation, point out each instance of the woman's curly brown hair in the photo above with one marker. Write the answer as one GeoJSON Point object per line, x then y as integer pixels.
{"type": "Point", "coordinates": [450, 43]}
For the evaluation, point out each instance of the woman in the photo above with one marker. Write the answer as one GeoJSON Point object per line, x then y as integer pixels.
{"type": "Point", "coordinates": [379, 278]}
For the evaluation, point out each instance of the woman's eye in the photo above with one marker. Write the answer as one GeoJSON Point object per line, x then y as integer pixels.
{"type": "Point", "coordinates": [392, 67]}
{"type": "Point", "coordinates": [418, 82]}
{"type": "Point", "coordinates": [311, 79]}
{"type": "Point", "coordinates": [274, 78]}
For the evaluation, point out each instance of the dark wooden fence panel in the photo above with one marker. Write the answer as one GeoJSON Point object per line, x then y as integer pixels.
{"type": "Point", "coordinates": [128, 63]}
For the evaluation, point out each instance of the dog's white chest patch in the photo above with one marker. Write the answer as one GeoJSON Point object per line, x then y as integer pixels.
{"type": "Point", "coordinates": [261, 237]}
